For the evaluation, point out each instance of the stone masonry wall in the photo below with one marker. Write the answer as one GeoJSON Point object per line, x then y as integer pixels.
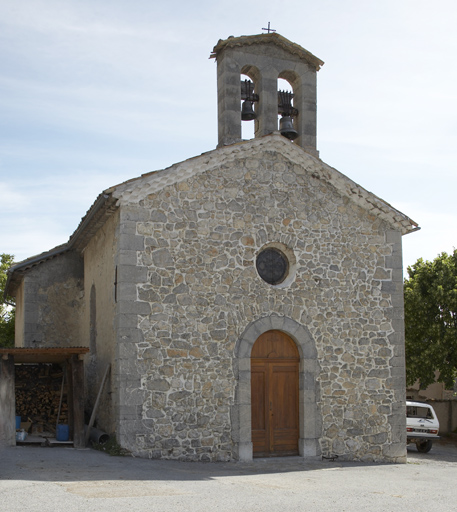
{"type": "Point", "coordinates": [188, 288]}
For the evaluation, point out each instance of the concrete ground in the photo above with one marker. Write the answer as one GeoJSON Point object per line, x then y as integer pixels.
{"type": "Point", "coordinates": [48, 479]}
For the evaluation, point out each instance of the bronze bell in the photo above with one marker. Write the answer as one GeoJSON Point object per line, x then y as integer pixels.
{"type": "Point", "coordinates": [286, 127]}
{"type": "Point", "coordinates": [247, 112]}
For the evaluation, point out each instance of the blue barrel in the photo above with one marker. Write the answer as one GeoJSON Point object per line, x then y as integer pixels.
{"type": "Point", "coordinates": [62, 433]}
{"type": "Point", "coordinates": [18, 422]}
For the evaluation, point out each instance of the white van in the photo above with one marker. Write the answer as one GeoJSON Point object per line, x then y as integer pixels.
{"type": "Point", "coordinates": [422, 425]}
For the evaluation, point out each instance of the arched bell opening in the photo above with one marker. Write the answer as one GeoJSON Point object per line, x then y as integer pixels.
{"type": "Point", "coordinates": [286, 109]}
{"type": "Point", "coordinates": [249, 100]}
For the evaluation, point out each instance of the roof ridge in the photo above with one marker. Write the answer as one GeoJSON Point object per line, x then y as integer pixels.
{"type": "Point", "coordinates": [134, 190]}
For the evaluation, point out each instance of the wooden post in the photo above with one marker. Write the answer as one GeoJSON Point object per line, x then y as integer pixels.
{"type": "Point", "coordinates": [60, 401]}
{"type": "Point", "coordinates": [7, 401]}
{"type": "Point", "coordinates": [69, 378]}
{"type": "Point", "coordinates": [77, 391]}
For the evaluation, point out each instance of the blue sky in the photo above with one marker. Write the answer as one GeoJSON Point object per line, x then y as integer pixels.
{"type": "Point", "coordinates": [96, 92]}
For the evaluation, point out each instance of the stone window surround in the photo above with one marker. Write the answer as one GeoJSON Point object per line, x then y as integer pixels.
{"type": "Point", "coordinates": [291, 259]}
{"type": "Point", "coordinates": [272, 273]}
{"type": "Point", "coordinates": [309, 414]}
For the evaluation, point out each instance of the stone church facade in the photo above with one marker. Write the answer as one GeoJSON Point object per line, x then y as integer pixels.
{"type": "Point", "coordinates": [178, 277]}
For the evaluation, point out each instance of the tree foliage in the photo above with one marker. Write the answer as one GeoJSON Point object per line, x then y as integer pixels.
{"type": "Point", "coordinates": [431, 321]}
{"type": "Point", "coordinates": [6, 311]}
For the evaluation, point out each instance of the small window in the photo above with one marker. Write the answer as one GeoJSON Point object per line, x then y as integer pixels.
{"type": "Point", "coordinates": [272, 265]}
{"type": "Point", "coordinates": [419, 412]}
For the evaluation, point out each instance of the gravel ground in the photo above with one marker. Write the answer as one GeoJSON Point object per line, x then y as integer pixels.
{"type": "Point", "coordinates": [65, 479]}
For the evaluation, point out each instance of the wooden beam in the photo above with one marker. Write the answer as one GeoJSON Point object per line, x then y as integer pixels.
{"type": "Point", "coordinates": [61, 398]}
{"type": "Point", "coordinates": [69, 379]}
{"type": "Point", "coordinates": [94, 412]}
{"type": "Point", "coordinates": [42, 355]}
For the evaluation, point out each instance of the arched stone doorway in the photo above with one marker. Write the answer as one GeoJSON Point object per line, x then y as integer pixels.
{"type": "Point", "coordinates": [274, 395]}
{"type": "Point", "coordinates": [310, 421]}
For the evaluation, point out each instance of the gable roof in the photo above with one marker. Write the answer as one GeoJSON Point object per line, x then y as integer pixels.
{"type": "Point", "coordinates": [134, 190]}
{"type": "Point", "coordinates": [271, 38]}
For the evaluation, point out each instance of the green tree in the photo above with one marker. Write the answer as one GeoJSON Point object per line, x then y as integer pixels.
{"type": "Point", "coordinates": [6, 311]}
{"type": "Point", "coordinates": [431, 321]}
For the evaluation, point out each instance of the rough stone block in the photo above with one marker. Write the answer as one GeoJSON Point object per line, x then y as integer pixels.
{"type": "Point", "coordinates": [243, 452]}
{"type": "Point", "coordinates": [390, 287]}
{"type": "Point", "coordinates": [393, 237]}
{"type": "Point", "coordinates": [308, 381]}
{"type": "Point", "coordinates": [395, 261]}
{"type": "Point", "coordinates": [398, 325]}
{"type": "Point", "coordinates": [243, 392]}
{"type": "Point", "coordinates": [308, 448]}
{"type": "Point", "coordinates": [245, 422]}
{"type": "Point", "coordinates": [129, 335]}
{"type": "Point", "coordinates": [277, 322]}
{"type": "Point", "coordinates": [131, 242]}
{"type": "Point", "coordinates": [126, 321]}
{"type": "Point", "coordinates": [126, 291]}
{"type": "Point", "coordinates": [127, 257]}
{"type": "Point", "coordinates": [136, 308]}
{"type": "Point", "coordinates": [244, 364]}
{"type": "Point", "coordinates": [395, 451]}
{"type": "Point", "coordinates": [128, 228]}
{"type": "Point", "coordinates": [162, 258]}
{"type": "Point", "coordinates": [131, 274]}
{"type": "Point", "coordinates": [127, 351]}
{"type": "Point", "coordinates": [134, 213]}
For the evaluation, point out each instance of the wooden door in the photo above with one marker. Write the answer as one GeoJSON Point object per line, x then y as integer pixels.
{"type": "Point", "coordinates": [274, 395]}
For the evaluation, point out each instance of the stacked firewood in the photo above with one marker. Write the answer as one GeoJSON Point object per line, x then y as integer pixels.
{"type": "Point", "coordinates": [38, 394]}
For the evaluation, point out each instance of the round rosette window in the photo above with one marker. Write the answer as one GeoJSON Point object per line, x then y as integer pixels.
{"type": "Point", "coordinates": [276, 264]}
{"type": "Point", "coordinates": [272, 265]}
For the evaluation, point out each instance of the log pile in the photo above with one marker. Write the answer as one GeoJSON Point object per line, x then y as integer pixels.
{"type": "Point", "coordinates": [38, 390]}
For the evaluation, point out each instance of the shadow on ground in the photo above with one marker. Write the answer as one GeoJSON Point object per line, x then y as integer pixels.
{"type": "Point", "coordinates": [65, 464]}
{"type": "Point", "coordinates": [61, 464]}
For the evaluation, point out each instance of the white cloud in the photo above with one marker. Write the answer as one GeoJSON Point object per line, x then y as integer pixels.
{"type": "Point", "coordinates": [12, 199]}
{"type": "Point", "coordinates": [95, 92]}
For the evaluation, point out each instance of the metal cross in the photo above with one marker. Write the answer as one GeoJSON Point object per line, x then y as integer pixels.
{"type": "Point", "coordinates": [269, 29]}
